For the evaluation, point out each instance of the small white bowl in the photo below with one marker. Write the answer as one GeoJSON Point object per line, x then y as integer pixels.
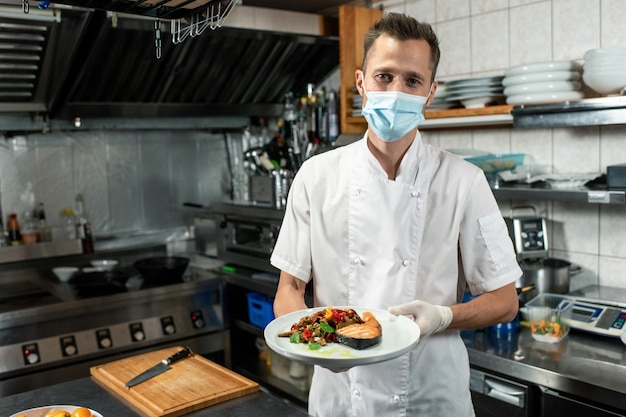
{"type": "Point", "coordinates": [605, 82]}
{"type": "Point", "coordinates": [104, 264]}
{"type": "Point", "coordinates": [64, 273]}
{"type": "Point", "coordinates": [609, 51]}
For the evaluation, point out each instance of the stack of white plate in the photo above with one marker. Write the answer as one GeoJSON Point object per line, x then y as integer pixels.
{"type": "Point", "coordinates": [475, 92]}
{"type": "Point", "coordinates": [604, 70]}
{"type": "Point", "coordinates": [543, 82]}
{"type": "Point", "coordinates": [440, 102]}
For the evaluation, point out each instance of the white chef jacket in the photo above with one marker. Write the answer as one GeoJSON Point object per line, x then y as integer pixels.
{"type": "Point", "coordinates": [371, 242]}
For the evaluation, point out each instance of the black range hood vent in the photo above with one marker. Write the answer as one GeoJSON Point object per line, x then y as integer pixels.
{"type": "Point", "coordinates": [88, 67]}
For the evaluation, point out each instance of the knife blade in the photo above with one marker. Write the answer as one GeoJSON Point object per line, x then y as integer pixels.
{"type": "Point", "coordinates": [159, 368]}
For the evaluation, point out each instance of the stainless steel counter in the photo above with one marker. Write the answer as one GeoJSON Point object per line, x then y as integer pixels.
{"type": "Point", "coordinates": [583, 365]}
{"type": "Point", "coordinates": [87, 393]}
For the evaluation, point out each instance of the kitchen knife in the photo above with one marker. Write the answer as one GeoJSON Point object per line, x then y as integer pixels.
{"type": "Point", "coordinates": [159, 368]}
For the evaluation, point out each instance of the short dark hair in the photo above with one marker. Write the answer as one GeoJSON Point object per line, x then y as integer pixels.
{"type": "Point", "coordinates": [403, 27]}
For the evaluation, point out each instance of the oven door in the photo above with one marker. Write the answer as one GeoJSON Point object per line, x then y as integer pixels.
{"type": "Point", "coordinates": [248, 242]}
{"type": "Point", "coordinates": [494, 396]}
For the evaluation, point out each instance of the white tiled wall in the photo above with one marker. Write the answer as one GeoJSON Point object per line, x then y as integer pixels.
{"type": "Point", "coordinates": [485, 37]}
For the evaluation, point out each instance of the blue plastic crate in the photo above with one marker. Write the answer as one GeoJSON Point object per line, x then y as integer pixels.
{"type": "Point", "coordinates": [260, 309]}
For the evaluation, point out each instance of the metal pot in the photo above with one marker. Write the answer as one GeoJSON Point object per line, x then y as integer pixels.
{"type": "Point", "coordinates": [549, 275]}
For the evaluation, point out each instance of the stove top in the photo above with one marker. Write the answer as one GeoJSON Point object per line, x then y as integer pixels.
{"type": "Point", "coordinates": [21, 295]}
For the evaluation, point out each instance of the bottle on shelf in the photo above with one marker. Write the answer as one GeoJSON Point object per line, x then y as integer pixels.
{"type": "Point", "coordinates": [83, 227]}
{"type": "Point", "coordinates": [28, 230]}
{"type": "Point", "coordinates": [13, 230]}
{"type": "Point", "coordinates": [332, 113]}
{"type": "Point", "coordinates": [44, 232]}
{"type": "Point", "coordinates": [67, 215]}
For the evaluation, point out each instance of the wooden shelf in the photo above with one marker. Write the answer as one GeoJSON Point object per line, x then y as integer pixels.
{"type": "Point", "coordinates": [504, 109]}
{"type": "Point", "coordinates": [492, 116]}
{"type": "Point", "coordinates": [453, 118]}
{"type": "Point", "coordinates": [354, 22]}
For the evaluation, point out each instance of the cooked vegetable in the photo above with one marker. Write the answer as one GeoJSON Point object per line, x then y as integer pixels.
{"type": "Point", "coordinates": [319, 328]}
{"type": "Point", "coordinates": [545, 327]}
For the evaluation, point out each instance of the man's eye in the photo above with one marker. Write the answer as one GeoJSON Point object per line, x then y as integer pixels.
{"type": "Point", "coordinates": [383, 77]}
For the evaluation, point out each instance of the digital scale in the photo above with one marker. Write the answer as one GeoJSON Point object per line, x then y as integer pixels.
{"type": "Point", "coordinates": [597, 318]}
{"type": "Point", "coordinates": [593, 309]}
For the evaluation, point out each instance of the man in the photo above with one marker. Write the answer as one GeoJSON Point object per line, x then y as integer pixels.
{"type": "Point", "coordinates": [390, 222]}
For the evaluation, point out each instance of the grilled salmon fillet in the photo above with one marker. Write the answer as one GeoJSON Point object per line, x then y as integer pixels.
{"type": "Point", "coordinates": [361, 335]}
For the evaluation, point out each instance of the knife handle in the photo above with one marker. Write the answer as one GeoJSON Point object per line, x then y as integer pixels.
{"type": "Point", "coordinates": [177, 356]}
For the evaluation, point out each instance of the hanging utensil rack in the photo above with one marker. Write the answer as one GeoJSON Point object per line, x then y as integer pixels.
{"type": "Point", "coordinates": [163, 9]}
{"type": "Point", "coordinates": [213, 17]}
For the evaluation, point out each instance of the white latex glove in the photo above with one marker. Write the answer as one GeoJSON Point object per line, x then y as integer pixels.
{"type": "Point", "coordinates": [430, 318]}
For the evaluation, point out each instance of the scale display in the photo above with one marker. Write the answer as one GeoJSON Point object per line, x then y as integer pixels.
{"type": "Point", "coordinates": [597, 318]}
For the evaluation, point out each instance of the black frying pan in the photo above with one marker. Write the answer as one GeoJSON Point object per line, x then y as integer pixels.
{"type": "Point", "coordinates": [92, 284]}
{"type": "Point", "coordinates": [162, 269]}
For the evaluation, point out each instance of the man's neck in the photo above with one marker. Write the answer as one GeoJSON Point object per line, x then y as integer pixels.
{"type": "Point", "coordinates": [389, 155]}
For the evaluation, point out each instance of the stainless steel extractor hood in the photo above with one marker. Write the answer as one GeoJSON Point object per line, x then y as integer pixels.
{"type": "Point", "coordinates": [94, 63]}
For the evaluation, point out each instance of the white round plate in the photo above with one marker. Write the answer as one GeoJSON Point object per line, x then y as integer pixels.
{"type": "Point", "coordinates": [463, 87]}
{"type": "Point", "coordinates": [41, 411]}
{"type": "Point", "coordinates": [538, 77]}
{"type": "Point", "coordinates": [479, 81]}
{"type": "Point", "coordinates": [440, 106]}
{"type": "Point", "coordinates": [549, 86]}
{"type": "Point", "coordinates": [484, 101]}
{"type": "Point", "coordinates": [482, 91]}
{"type": "Point", "coordinates": [545, 97]}
{"type": "Point", "coordinates": [399, 335]}
{"type": "Point", "coordinates": [543, 67]}
{"type": "Point", "coordinates": [473, 94]}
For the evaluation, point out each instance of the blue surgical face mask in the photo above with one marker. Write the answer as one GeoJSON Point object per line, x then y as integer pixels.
{"type": "Point", "coordinates": [393, 114]}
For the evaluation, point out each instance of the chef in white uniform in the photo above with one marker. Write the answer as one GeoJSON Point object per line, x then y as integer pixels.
{"type": "Point", "coordinates": [390, 222]}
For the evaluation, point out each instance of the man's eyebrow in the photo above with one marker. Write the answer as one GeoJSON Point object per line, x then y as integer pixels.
{"type": "Point", "coordinates": [411, 74]}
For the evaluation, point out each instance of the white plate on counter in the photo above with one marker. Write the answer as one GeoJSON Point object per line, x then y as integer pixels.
{"type": "Point", "coordinates": [399, 335]}
{"type": "Point", "coordinates": [42, 411]}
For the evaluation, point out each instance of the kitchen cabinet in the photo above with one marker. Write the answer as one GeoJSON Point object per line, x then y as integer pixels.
{"type": "Point", "coordinates": [353, 24]}
{"type": "Point", "coordinates": [247, 358]}
{"type": "Point", "coordinates": [555, 403]}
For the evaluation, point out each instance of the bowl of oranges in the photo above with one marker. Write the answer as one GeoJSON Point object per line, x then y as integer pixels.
{"type": "Point", "coordinates": [58, 411]}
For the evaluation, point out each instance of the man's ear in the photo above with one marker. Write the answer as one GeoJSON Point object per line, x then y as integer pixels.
{"type": "Point", "coordinates": [431, 96]}
{"type": "Point", "coordinates": [358, 76]}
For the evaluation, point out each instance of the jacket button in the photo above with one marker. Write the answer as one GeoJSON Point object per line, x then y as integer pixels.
{"type": "Point", "coordinates": [356, 392]}
{"type": "Point", "coordinates": [396, 398]}
{"type": "Point", "coordinates": [414, 193]}
{"type": "Point", "coordinates": [405, 263]}
{"type": "Point", "coordinates": [357, 261]}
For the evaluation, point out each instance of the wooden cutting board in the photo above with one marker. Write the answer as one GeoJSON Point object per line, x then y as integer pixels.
{"type": "Point", "coordinates": [191, 383]}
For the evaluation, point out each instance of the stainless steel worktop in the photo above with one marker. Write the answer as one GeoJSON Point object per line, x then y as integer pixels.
{"type": "Point", "coordinates": [584, 365]}
{"type": "Point", "coordinates": [87, 393]}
